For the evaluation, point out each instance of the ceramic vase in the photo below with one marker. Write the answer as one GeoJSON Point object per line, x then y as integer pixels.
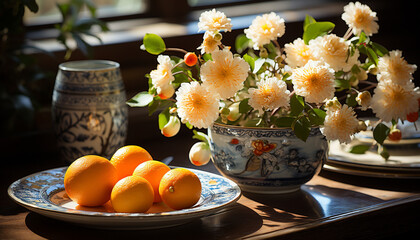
{"type": "Point", "coordinates": [267, 160]}
{"type": "Point", "coordinates": [88, 109]}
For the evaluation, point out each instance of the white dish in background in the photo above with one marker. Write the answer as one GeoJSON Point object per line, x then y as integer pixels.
{"type": "Point", "coordinates": [404, 162]}
{"type": "Point", "coordinates": [43, 193]}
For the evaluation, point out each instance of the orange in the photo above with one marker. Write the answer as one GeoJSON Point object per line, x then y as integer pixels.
{"type": "Point", "coordinates": [132, 194]}
{"type": "Point", "coordinates": [127, 158]}
{"type": "Point", "coordinates": [153, 172]}
{"type": "Point", "coordinates": [180, 188]}
{"type": "Point", "coordinates": [89, 180]}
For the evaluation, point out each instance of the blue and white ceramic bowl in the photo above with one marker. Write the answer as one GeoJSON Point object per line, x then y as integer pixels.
{"type": "Point", "coordinates": [89, 110]}
{"type": "Point", "coordinates": [267, 160]}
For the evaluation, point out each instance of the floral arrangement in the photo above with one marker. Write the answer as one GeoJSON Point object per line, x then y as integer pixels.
{"type": "Point", "coordinates": [320, 79]}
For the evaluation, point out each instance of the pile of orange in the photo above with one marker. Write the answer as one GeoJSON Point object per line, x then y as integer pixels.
{"type": "Point", "coordinates": [131, 181]}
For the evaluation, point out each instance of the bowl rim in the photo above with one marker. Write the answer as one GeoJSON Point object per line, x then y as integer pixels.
{"type": "Point", "coordinates": [256, 128]}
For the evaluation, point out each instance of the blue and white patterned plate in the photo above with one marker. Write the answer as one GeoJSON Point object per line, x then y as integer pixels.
{"type": "Point", "coordinates": [43, 193]}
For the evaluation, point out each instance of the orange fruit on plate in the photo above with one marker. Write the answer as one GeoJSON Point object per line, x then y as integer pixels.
{"type": "Point", "coordinates": [127, 158]}
{"type": "Point", "coordinates": [153, 172]}
{"type": "Point", "coordinates": [180, 188]}
{"type": "Point", "coordinates": [132, 194]}
{"type": "Point", "coordinates": [89, 180]}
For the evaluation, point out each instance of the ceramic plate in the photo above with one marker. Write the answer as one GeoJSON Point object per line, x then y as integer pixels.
{"type": "Point", "coordinates": [44, 193]}
{"type": "Point", "coordinates": [404, 162]}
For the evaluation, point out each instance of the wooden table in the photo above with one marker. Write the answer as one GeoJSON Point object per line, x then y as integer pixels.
{"type": "Point", "coordinates": [330, 206]}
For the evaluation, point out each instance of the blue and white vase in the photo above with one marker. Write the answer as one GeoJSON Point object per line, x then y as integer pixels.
{"type": "Point", "coordinates": [267, 160]}
{"type": "Point", "coordinates": [90, 114]}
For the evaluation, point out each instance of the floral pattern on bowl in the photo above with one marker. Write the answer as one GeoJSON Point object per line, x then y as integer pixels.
{"type": "Point", "coordinates": [267, 160]}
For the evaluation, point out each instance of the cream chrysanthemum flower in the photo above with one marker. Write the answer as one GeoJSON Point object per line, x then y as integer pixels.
{"type": "Point", "coordinates": [210, 43]}
{"type": "Point", "coordinates": [394, 101]}
{"type": "Point", "coordinates": [271, 93]}
{"type": "Point", "coordinates": [297, 53]}
{"type": "Point", "coordinates": [214, 21]}
{"type": "Point", "coordinates": [394, 67]}
{"type": "Point", "coordinates": [162, 76]}
{"type": "Point", "coordinates": [314, 81]}
{"type": "Point", "coordinates": [196, 105]}
{"type": "Point", "coordinates": [264, 29]}
{"type": "Point", "coordinates": [360, 17]}
{"type": "Point", "coordinates": [225, 74]}
{"type": "Point", "coordinates": [334, 51]}
{"type": "Point", "coordinates": [340, 124]}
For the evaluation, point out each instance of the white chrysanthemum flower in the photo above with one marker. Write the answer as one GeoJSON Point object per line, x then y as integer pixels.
{"type": "Point", "coordinates": [210, 43]}
{"type": "Point", "coordinates": [334, 51]}
{"type": "Point", "coordinates": [225, 74]}
{"type": "Point", "coordinates": [314, 81]}
{"type": "Point", "coordinates": [360, 17]}
{"type": "Point", "coordinates": [394, 101]}
{"type": "Point", "coordinates": [340, 124]}
{"type": "Point", "coordinates": [162, 76]}
{"type": "Point", "coordinates": [394, 67]}
{"type": "Point", "coordinates": [297, 53]}
{"type": "Point", "coordinates": [196, 105]}
{"type": "Point", "coordinates": [271, 93]}
{"type": "Point", "coordinates": [214, 21]}
{"type": "Point", "coordinates": [264, 29]}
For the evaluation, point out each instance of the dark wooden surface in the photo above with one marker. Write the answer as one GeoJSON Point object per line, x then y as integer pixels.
{"type": "Point", "coordinates": [330, 206]}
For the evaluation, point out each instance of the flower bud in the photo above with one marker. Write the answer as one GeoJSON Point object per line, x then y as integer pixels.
{"type": "Point", "coordinates": [363, 99]}
{"type": "Point", "coordinates": [166, 91]}
{"type": "Point", "coordinates": [362, 75]}
{"type": "Point", "coordinates": [218, 36]}
{"type": "Point", "coordinates": [172, 127]}
{"type": "Point", "coordinates": [200, 154]}
{"type": "Point", "coordinates": [234, 113]}
{"type": "Point", "coordinates": [333, 104]}
{"type": "Point", "coordinates": [395, 135]}
{"type": "Point", "coordinates": [263, 53]}
{"type": "Point", "coordinates": [373, 69]}
{"type": "Point", "coordinates": [361, 126]}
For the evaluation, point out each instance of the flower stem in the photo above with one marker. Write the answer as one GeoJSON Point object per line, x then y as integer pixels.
{"type": "Point", "coordinates": [177, 50]}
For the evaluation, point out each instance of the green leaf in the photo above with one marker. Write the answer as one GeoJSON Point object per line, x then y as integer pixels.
{"type": "Point", "coordinates": [316, 29]}
{"type": "Point", "coordinates": [154, 44]}
{"type": "Point", "coordinates": [351, 100]}
{"type": "Point", "coordinates": [302, 128]}
{"type": "Point", "coordinates": [163, 118]}
{"type": "Point", "coordinates": [296, 105]}
{"type": "Point", "coordinates": [380, 133]}
{"type": "Point", "coordinates": [372, 56]}
{"type": "Point", "coordinates": [241, 43]}
{"type": "Point", "coordinates": [359, 149]}
{"type": "Point", "coordinates": [244, 107]}
{"type": "Point", "coordinates": [200, 136]}
{"type": "Point", "coordinates": [379, 49]}
{"type": "Point", "coordinates": [316, 116]}
{"type": "Point", "coordinates": [342, 83]}
{"type": "Point", "coordinates": [32, 5]}
{"type": "Point", "coordinates": [308, 20]}
{"type": "Point", "coordinates": [284, 121]}
{"type": "Point", "coordinates": [141, 99]}
{"type": "Point", "coordinates": [250, 60]}
{"type": "Point", "coordinates": [207, 57]}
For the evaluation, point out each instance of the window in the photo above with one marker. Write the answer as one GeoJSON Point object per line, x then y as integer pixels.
{"type": "Point", "coordinates": [48, 11]}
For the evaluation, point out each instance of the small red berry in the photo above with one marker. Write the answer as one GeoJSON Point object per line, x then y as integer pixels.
{"type": "Point", "coordinates": [234, 141]}
{"type": "Point", "coordinates": [190, 59]}
{"type": "Point", "coordinates": [395, 135]}
{"type": "Point", "coordinates": [412, 117]}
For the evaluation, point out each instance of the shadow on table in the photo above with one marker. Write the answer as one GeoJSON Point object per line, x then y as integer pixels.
{"type": "Point", "coordinates": [235, 222]}
{"type": "Point", "coordinates": [311, 202]}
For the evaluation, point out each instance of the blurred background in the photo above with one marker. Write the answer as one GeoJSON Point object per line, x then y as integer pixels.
{"type": "Point", "coordinates": [121, 24]}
